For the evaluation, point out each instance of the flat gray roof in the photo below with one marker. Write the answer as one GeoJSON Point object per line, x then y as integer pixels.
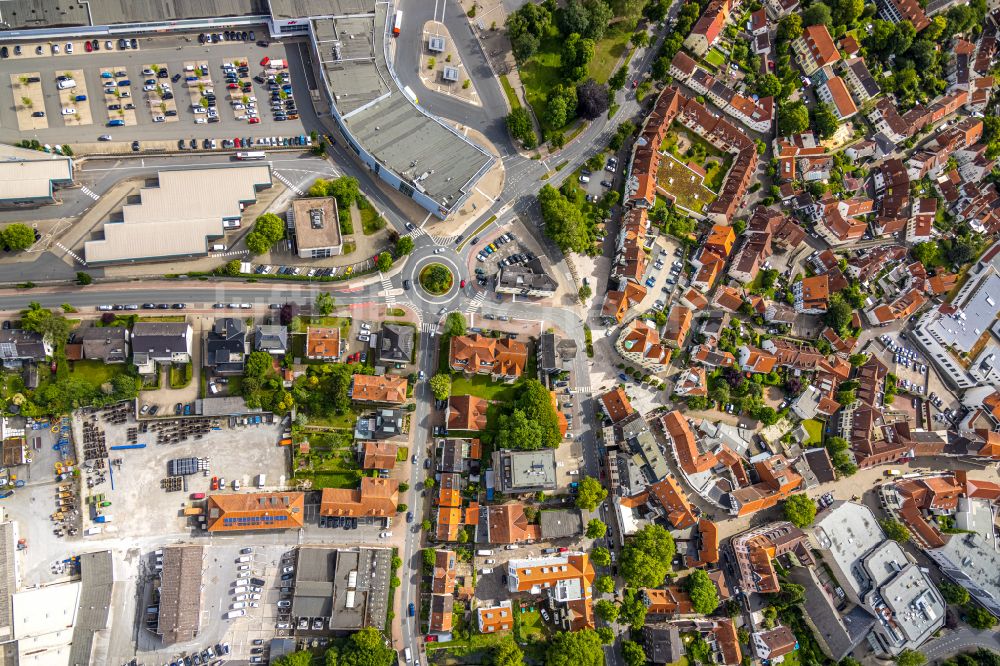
{"type": "Point", "coordinates": [561, 523]}
{"type": "Point", "coordinates": [30, 173]}
{"type": "Point", "coordinates": [350, 586]}
{"type": "Point", "coordinates": [94, 606]}
{"type": "Point", "coordinates": [158, 227]}
{"type": "Point", "coordinates": [303, 8]}
{"type": "Point", "coordinates": [429, 155]}
{"type": "Point", "coordinates": [180, 593]}
{"type": "Point", "coordinates": [315, 230]}
{"type": "Point", "coordinates": [975, 315]}
{"type": "Point", "coordinates": [19, 14]}
{"type": "Point", "coordinates": [7, 582]}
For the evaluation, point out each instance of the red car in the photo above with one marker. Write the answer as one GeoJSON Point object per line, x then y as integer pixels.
{"type": "Point", "coordinates": [215, 483]}
{"type": "Point", "coordinates": [462, 284]}
{"type": "Point", "coordinates": [432, 638]}
{"type": "Point", "coordinates": [238, 142]}
{"type": "Point", "coordinates": [88, 47]}
{"type": "Point", "coordinates": [254, 121]}
{"type": "Point", "coordinates": [263, 63]}
{"type": "Point", "coordinates": [232, 85]}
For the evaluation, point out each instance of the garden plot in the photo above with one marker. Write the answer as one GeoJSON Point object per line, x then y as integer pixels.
{"type": "Point", "coordinates": [683, 184]}
{"type": "Point", "coordinates": [158, 106]}
{"type": "Point", "coordinates": [198, 82]}
{"type": "Point", "coordinates": [28, 99]}
{"type": "Point", "coordinates": [69, 100]}
{"type": "Point", "coordinates": [118, 98]}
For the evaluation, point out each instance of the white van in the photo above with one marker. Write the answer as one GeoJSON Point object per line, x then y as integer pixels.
{"type": "Point", "coordinates": [237, 605]}
{"type": "Point", "coordinates": [218, 247]}
{"type": "Point", "coordinates": [234, 614]}
{"type": "Point", "coordinates": [484, 553]}
{"type": "Point", "coordinates": [65, 84]}
{"type": "Point", "coordinates": [408, 654]}
{"type": "Point", "coordinates": [243, 558]}
{"type": "Point", "coordinates": [240, 589]}
{"type": "Point", "coordinates": [487, 570]}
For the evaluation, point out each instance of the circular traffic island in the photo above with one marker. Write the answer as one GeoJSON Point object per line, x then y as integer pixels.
{"type": "Point", "coordinates": [436, 279]}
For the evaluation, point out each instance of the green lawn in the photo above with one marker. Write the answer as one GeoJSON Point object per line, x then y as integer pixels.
{"type": "Point", "coordinates": [531, 624]}
{"type": "Point", "coordinates": [481, 386]}
{"type": "Point", "coordinates": [508, 90]}
{"type": "Point", "coordinates": [607, 53]}
{"type": "Point", "coordinates": [683, 184]}
{"type": "Point", "coordinates": [815, 430]}
{"type": "Point", "coordinates": [371, 221]}
{"type": "Point", "coordinates": [96, 372]}
{"type": "Point", "coordinates": [330, 463]}
{"type": "Point", "coordinates": [715, 58]}
{"type": "Point", "coordinates": [343, 421]}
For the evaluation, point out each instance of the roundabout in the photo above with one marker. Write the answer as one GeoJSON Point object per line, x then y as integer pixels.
{"type": "Point", "coordinates": [436, 279]}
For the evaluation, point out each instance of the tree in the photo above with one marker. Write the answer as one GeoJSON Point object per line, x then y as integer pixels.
{"type": "Point", "coordinates": [857, 360]}
{"type": "Point", "coordinates": [606, 610]}
{"type": "Point", "coordinates": [606, 635]}
{"type": "Point", "coordinates": [575, 648]}
{"type": "Point", "coordinates": [953, 594]}
{"type": "Point", "coordinates": [507, 653]}
{"type": "Point", "coordinates": [632, 610]}
{"type": "Point", "coordinates": [640, 39]}
{"type": "Point", "coordinates": [83, 278]}
{"type": "Point", "coordinates": [564, 221]}
{"type": "Point", "coordinates": [895, 530]}
{"type": "Point", "coordinates": [576, 53]}
{"type": "Point", "coordinates": [384, 262]}
{"type": "Point", "coordinates": [584, 292]}
{"type": "Point", "coordinates": [599, 19]}
{"type": "Point", "coordinates": [596, 528]}
{"type": "Point", "coordinates": [556, 113]}
{"type": "Point", "coordinates": [980, 618]}
{"type": "Point", "coordinates": [800, 510]}
{"type": "Point", "coordinates": [257, 364]}
{"type": "Point", "coordinates": [455, 324]}
{"type": "Point", "coordinates": [125, 387]}
{"type": "Point", "coordinates": [436, 278]}
{"type": "Point", "coordinates": [231, 268]}
{"type": "Point", "coordinates": [846, 12]}
{"type": "Point", "coordinates": [520, 127]}
{"type": "Point", "coordinates": [324, 303]}
{"type": "Point", "coordinates": [590, 493]}
{"type": "Point", "coordinates": [793, 118]}
{"type": "Point", "coordinates": [838, 313]}
{"type": "Point", "coordinates": [768, 85]}
{"type": "Point", "coordinates": [367, 648]}
{"type": "Point", "coordinates": [591, 99]}
{"type": "Point", "coordinates": [910, 658]}
{"type": "Point", "coordinates": [270, 227]}
{"type": "Point", "coordinates": [601, 556]}
{"type": "Point", "coordinates": [699, 651]}
{"type": "Point", "coordinates": [404, 246]}
{"type": "Point", "coordinates": [633, 654]}
{"type": "Point", "coordinates": [524, 46]}
{"type": "Point", "coordinates": [528, 422]}
{"type": "Point", "coordinates": [300, 658]}
{"type": "Point", "coordinates": [52, 326]}
{"type": "Point", "coordinates": [789, 28]}
{"type": "Point", "coordinates": [817, 14]}
{"type": "Point", "coordinates": [824, 121]}
{"type": "Point", "coordinates": [17, 236]}
{"type": "Point", "coordinates": [605, 584]}
{"type": "Point", "coordinates": [425, 525]}
{"type": "Point", "coordinates": [441, 386]}
{"type": "Point", "coordinates": [257, 244]}
{"type": "Point", "coordinates": [703, 593]}
{"type": "Point", "coordinates": [648, 557]}
{"type": "Point", "coordinates": [289, 311]}
{"type": "Point", "coordinates": [617, 80]}
{"type": "Point", "coordinates": [574, 18]}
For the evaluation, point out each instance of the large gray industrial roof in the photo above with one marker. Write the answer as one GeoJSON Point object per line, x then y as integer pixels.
{"type": "Point", "coordinates": [304, 8]}
{"type": "Point", "coordinates": [7, 581]}
{"type": "Point", "coordinates": [26, 14]}
{"type": "Point", "coordinates": [30, 173]}
{"type": "Point", "coordinates": [158, 227]}
{"type": "Point", "coordinates": [94, 606]}
{"type": "Point", "coordinates": [431, 156]}
{"type": "Point", "coordinates": [180, 593]}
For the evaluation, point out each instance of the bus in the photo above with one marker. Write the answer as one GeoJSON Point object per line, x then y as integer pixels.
{"type": "Point", "coordinates": [251, 155]}
{"type": "Point", "coordinates": [397, 24]}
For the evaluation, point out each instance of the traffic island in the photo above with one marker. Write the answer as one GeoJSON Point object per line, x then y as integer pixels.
{"type": "Point", "coordinates": [441, 68]}
{"type": "Point", "coordinates": [436, 279]}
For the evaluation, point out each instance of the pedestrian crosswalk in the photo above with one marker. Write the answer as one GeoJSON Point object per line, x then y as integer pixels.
{"type": "Point", "coordinates": [390, 298]}
{"type": "Point", "coordinates": [475, 303]}
{"type": "Point", "coordinates": [232, 253]}
{"type": "Point", "coordinates": [417, 231]}
{"type": "Point", "coordinates": [90, 193]}
{"type": "Point", "coordinates": [70, 253]}
{"type": "Point", "coordinates": [289, 184]}
{"type": "Point", "coordinates": [428, 327]}
{"type": "Point", "coordinates": [583, 389]}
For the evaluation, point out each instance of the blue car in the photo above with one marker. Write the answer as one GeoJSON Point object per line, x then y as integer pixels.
{"type": "Point", "coordinates": [187, 410]}
{"type": "Point", "coordinates": [650, 282]}
{"type": "Point", "coordinates": [412, 609]}
{"type": "Point", "coordinates": [621, 376]}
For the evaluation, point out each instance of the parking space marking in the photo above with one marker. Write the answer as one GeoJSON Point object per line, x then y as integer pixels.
{"type": "Point", "coordinates": [288, 184]}
{"type": "Point", "coordinates": [90, 193]}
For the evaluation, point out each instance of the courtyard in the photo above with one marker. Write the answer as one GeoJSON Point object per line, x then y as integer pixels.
{"type": "Point", "coordinates": [683, 185]}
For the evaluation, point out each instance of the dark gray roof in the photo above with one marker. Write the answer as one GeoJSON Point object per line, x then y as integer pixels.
{"type": "Point", "coordinates": [350, 587]}
{"type": "Point", "coordinates": [7, 581]}
{"type": "Point", "coordinates": [159, 338]}
{"type": "Point", "coordinates": [269, 337]}
{"type": "Point", "coordinates": [397, 343]}
{"type": "Point", "coordinates": [547, 352]}
{"type": "Point", "coordinates": [450, 459]}
{"type": "Point", "coordinates": [663, 642]}
{"type": "Point", "coordinates": [225, 345]}
{"type": "Point", "coordinates": [180, 593]}
{"type": "Point", "coordinates": [530, 276]}
{"type": "Point", "coordinates": [868, 82]}
{"type": "Point", "coordinates": [383, 424]}
{"type": "Point", "coordinates": [840, 634]}
{"type": "Point", "coordinates": [94, 606]}
{"type": "Point", "coordinates": [561, 523]}
{"type": "Point", "coordinates": [18, 344]}
{"type": "Point", "coordinates": [820, 464]}
{"type": "Point", "coordinates": [26, 14]}
{"type": "Point", "coordinates": [103, 343]}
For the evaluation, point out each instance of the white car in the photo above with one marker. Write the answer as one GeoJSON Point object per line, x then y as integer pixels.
{"type": "Point", "coordinates": [148, 87]}
{"type": "Point", "coordinates": [366, 326]}
{"type": "Point", "coordinates": [200, 121]}
{"type": "Point", "coordinates": [385, 535]}
{"type": "Point", "coordinates": [242, 597]}
{"type": "Point", "coordinates": [244, 567]}
{"type": "Point", "coordinates": [69, 48]}
{"type": "Point", "coordinates": [159, 119]}
{"type": "Point", "coordinates": [287, 570]}
{"type": "Point", "coordinates": [68, 111]}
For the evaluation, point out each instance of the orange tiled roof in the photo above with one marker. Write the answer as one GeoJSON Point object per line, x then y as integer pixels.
{"type": "Point", "coordinates": [379, 455]}
{"type": "Point", "coordinates": [508, 524]}
{"type": "Point", "coordinates": [322, 342]}
{"type": "Point", "coordinates": [493, 619]}
{"type": "Point", "coordinates": [685, 444]}
{"type": "Point", "coordinates": [476, 353]}
{"type": "Point", "coordinates": [674, 501]}
{"type": "Point", "coordinates": [374, 498]}
{"type": "Point", "coordinates": [466, 412]}
{"type": "Point", "coordinates": [577, 565]}
{"type": "Point", "coordinates": [617, 404]}
{"type": "Point", "coordinates": [371, 388]}
{"type": "Point", "coordinates": [255, 511]}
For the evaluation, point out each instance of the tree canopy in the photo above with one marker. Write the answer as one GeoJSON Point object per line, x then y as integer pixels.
{"type": "Point", "coordinates": [596, 528]}
{"type": "Point", "coordinates": [441, 386]}
{"type": "Point", "coordinates": [793, 118]}
{"type": "Point", "coordinates": [520, 127]}
{"type": "Point", "coordinates": [590, 493]}
{"type": "Point", "coordinates": [367, 648]}
{"type": "Point", "coordinates": [647, 557]}
{"type": "Point", "coordinates": [575, 648]}
{"type": "Point", "coordinates": [455, 324]}
{"type": "Point", "coordinates": [17, 236]}
{"type": "Point", "coordinates": [564, 222]}
{"type": "Point", "coordinates": [591, 99]}
{"type": "Point", "coordinates": [800, 510]}
{"type": "Point", "coordinates": [507, 653]}
{"type": "Point", "coordinates": [704, 595]}
{"type": "Point", "coordinates": [529, 421]}
{"type": "Point", "coordinates": [606, 610]}
{"type": "Point", "coordinates": [895, 530]}
{"type": "Point", "coordinates": [633, 654]}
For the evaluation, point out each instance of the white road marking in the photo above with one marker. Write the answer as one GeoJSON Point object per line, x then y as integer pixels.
{"type": "Point", "coordinates": [70, 253]}
{"type": "Point", "coordinates": [90, 193]}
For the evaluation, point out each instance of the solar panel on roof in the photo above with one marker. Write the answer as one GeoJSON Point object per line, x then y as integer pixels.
{"type": "Point", "coordinates": [182, 466]}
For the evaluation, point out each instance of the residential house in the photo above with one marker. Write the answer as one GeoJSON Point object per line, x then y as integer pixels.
{"type": "Point", "coordinates": [160, 342]}
{"type": "Point", "coordinates": [271, 338]}
{"type": "Point", "coordinates": [496, 618]}
{"type": "Point", "coordinates": [323, 343]}
{"type": "Point", "coordinates": [234, 512]}
{"type": "Point", "coordinates": [755, 360]}
{"type": "Point", "coordinates": [812, 294]}
{"type": "Point", "coordinates": [895, 11]}
{"type": "Point", "coordinates": [640, 344]}
{"type": "Point", "coordinates": [466, 412]}
{"type": "Point", "coordinates": [617, 303]}
{"type": "Point", "coordinates": [383, 390]}
{"type": "Point", "coordinates": [815, 49]}
{"type": "Point", "coordinates": [396, 344]}
{"type": "Point", "coordinates": [502, 358]}
{"type": "Point", "coordinates": [382, 424]}
{"type": "Point", "coordinates": [506, 524]}
{"type": "Point", "coordinates": [777, 481]}
{"type": "Point", "coordinates": [834, 92]}
{"type": "Point", "coordinates": [529, 279]}
{"type": "Point", "coordinates": [678, 325]}
{"type": "Point", "coordinates": [859, 80]}
{"type": "Point", "coordinates": [226, 346]}
{"type": "Point", "coordinates": [773, 644]}
{"type": "Point", "coordinates": [616, 405]}
{"type": "Point", "coordinates": [693, 382]}
{"type": "Point", "coordinates": [663, 643]}
{"type": "Point", "coordinates": [375, 498]}
{"type": "Point", "coordinates": [709, 27]}
{"type": "Point", "coordinates": [522, 472]}
{"type": "Point", "coordinates": [567, 579]}
{"type": "Point", "coordinates": [108, 344]}
{"type": "Point", "coordinates": [378, 455]}
{"type": "Point", "coordinates": [758, 548]}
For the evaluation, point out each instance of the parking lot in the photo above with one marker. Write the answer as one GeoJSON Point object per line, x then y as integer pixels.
{"type": "Point", "coordinates": [157, 91]}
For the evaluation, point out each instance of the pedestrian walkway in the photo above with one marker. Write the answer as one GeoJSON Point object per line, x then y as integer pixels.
{"type": "Point", "coordinates": [70, 253]}
{"type": "Point", "coordinates": [390, 298]}
{"type": "Point", "coordinates": [288, 183]}
{"type": "Point", "coordinates": [475, 303]}
{"type": "Point", "coordinates": [90, 193]}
